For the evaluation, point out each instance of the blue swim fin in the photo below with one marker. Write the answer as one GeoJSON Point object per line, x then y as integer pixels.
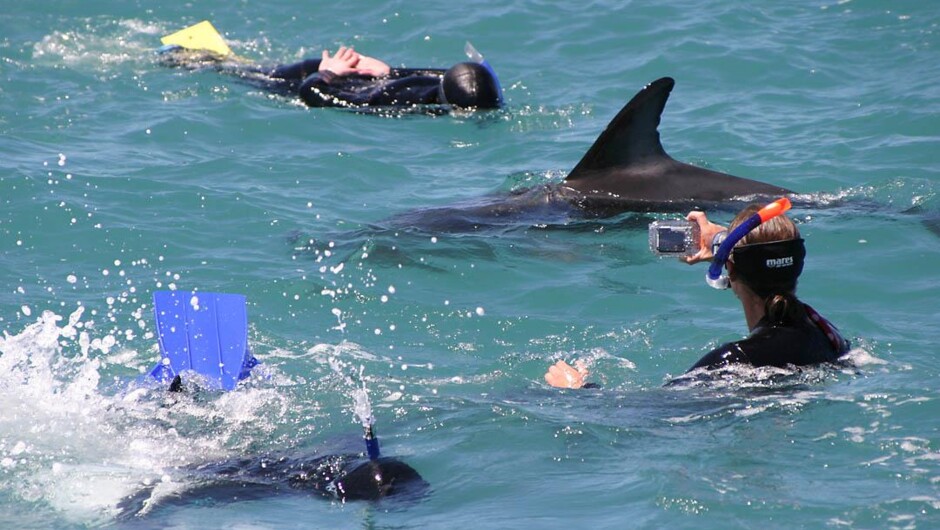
{"type": "Point", "coordinates": [203, 332]}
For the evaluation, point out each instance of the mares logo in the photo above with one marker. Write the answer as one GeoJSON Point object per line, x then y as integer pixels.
{"type": "Point", "coordinates": [779, 263]}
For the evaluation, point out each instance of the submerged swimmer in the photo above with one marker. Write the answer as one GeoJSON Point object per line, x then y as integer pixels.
{"type": "Point", "coordinates": [203, 337]}
{"type": "Point", "coordinates": [341, 476]}
{"type": "Point", "coordinates": [762, 271]}
{"type": "Point", "coordinates": [344, 477]}
{"type": "Point", "coordinates": [346, 78]}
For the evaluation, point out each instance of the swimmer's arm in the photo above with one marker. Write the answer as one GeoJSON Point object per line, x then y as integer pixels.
{"type": "Point", "coordinates": [297, 71]}
{"type": "Point", "coordinates": [708, 231]}
{"type": "Point", "coordinates": [429, 72]}
{"type": "Point", "coordinates": [316, 89]}
{"type": "Point", "coordinates": [323, 89]}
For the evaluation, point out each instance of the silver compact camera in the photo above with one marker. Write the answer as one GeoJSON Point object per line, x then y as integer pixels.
{"type": "Point", "coordinates": [674, 237]}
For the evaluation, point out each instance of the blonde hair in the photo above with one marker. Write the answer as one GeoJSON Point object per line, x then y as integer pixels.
{"type": "Point", "coordinates": [780, 228]}
{"type": "Point", "coordinates": [780, 302]}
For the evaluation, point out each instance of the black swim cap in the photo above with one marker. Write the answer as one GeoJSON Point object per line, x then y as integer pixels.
{"type": "Point", "coordinates": [770, 267]}
{"type": "Point", "coordinates": [469, 85]}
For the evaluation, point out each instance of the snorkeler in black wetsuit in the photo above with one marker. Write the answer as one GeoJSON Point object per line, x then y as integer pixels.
{"type": "Point", "coordinates": [796, 341]}
{"type": "Point", "coordinates": [464, 85]}
{"type": "Point", "coordinates": [762, 271]}
{"type": "Point", "coordinates": [351, 80]}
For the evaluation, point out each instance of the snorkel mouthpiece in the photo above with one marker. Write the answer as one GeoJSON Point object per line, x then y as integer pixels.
{"type": "Point", "coordinates": [714, 276]}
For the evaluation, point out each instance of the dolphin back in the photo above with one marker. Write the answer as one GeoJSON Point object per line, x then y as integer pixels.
{"type": "Point", "coordinates": [628, 169]}
{"type": "Point", "coordinates": [632, 137]}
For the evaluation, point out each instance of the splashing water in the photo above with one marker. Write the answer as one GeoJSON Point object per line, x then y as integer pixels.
{"type": "Point", "coordinates": [54, 417]}
{"type": "Point", "coordinates": [78, 451]}
{"type": "Point", "coordinates": [30, 364]}
{"type": "Point", "coordinates": [362, 407]}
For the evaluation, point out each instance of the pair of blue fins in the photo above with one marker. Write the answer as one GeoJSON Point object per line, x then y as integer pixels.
{"type": "Point", "coordinates": [206, 333]}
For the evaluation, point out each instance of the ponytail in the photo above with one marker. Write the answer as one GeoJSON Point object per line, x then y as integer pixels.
{"type": "Point", "coordinates": [783, 308]}
{"type": "Point", "coordinates": [769, 260]}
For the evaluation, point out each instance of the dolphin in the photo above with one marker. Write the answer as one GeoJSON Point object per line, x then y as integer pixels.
{"type": "Point", "coordinates": [626, 170]}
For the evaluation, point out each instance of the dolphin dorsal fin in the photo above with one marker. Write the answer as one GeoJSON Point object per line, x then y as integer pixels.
{"type": "Point", "coordinates": [632, 136]}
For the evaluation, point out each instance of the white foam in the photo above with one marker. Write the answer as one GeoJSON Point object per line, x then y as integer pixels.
{"type": "Point", "coordinates": [98, 48]}
{"type": "Point", "coordinates": [860, 357]}
{"type": "Point", "coordinates": [81, 450]}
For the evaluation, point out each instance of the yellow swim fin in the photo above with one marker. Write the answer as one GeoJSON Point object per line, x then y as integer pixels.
{"type": "Point", "coordinates": [201, 36]}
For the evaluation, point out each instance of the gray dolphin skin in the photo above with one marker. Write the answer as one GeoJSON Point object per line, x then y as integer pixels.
{"type": "Point", "coordinates": [626, 170]}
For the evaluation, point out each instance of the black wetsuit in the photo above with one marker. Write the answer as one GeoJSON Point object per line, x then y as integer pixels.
{"type": "Point", "coordinates": [341, 477]}
{"type": "Point", "coordinates": [810, 340]}
{"type": "Point", "coordinates": [403, 87]}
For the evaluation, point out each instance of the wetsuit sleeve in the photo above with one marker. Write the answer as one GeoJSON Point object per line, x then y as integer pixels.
{"type": "Point", "coordinates": [395, 73]}
{"type": "Point", "coordinates": [326, 89]}
{"type": "Point", "coordinates": [323, 89]}
{"type": "Point", "coordinates": [411, 90]}
{"type": "Point", "coordinates": [297, 71]}
{"type": "Point", "coordinates": [723, 355]}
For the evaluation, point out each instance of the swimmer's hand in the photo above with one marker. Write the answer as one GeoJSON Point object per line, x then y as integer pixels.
{"type": "Point", "coordinates": [372, 66]}
{"type": "Point", "coordinates": [342, 63]}
{"type": "Point", "coordinates": [708, 230]}
{"type": "Point", "coordinates": [563, 375]}
{"type": "Point", "coordinates": [346, 61]}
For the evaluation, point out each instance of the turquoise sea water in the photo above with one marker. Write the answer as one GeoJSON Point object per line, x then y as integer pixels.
{"type": "Point", "coordinates": [119, 177]}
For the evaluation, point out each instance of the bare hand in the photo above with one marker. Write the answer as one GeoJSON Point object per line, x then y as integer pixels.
{"type": "Point", "coordinates": [563, 375]}
{"type": "Point", "coordinates": [343, 62]}
{"type": "Point", "coordinates": [708, 230]}
{"type": "Point", "coordinates": [372, 66]}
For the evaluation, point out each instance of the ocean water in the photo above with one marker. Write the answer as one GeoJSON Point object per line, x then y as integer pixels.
{"type": "Point", "coordinates": [119, 177]}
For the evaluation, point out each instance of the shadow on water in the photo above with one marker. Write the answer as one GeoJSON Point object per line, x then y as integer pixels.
{"type": "Point", "coordinates": [566, 238]}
